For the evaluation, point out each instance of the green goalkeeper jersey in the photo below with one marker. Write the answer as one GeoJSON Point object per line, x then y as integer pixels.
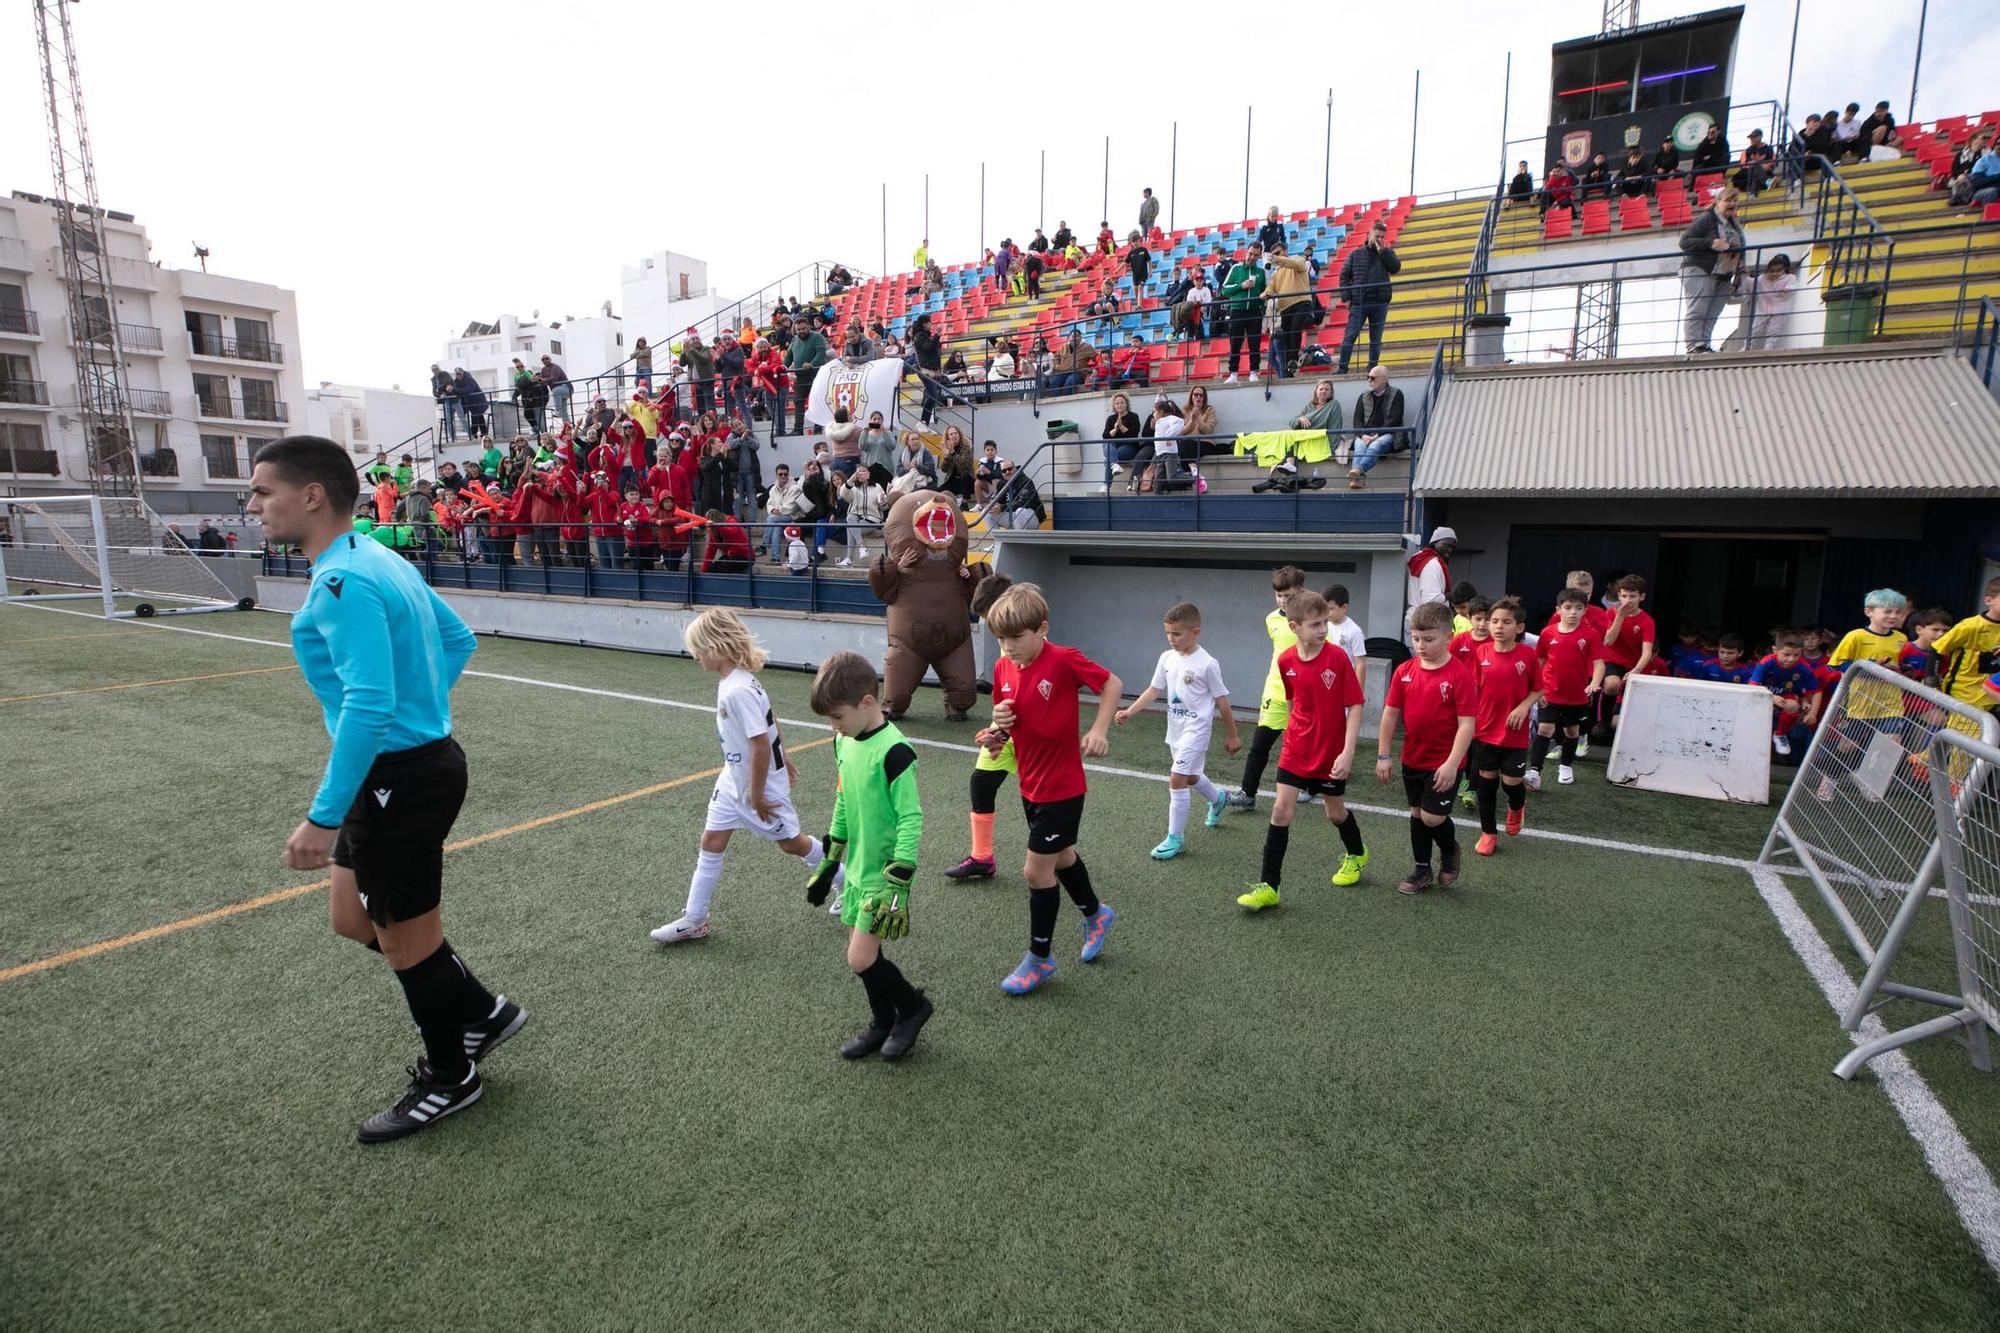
{"type": "Point", "coordinates": [875, 810]}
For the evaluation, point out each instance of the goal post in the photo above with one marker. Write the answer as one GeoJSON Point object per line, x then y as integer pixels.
{"type": "Point", "coordinates": [1858, 819]}
{"type": "Point", "coordinates": [101, 548]}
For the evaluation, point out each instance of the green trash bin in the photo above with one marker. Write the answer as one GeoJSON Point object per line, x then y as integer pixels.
{"type": "Point", "coordinates": [1851, 311]}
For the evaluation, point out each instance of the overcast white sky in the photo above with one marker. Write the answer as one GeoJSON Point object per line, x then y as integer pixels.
{"type": "Point", "coordinates": [409, 167]}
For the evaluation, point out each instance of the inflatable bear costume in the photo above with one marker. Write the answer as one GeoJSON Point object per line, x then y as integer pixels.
{"type": "Point", "coordinates": [924, 581]}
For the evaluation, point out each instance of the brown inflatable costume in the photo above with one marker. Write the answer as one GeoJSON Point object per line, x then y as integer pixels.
{"type": "Point", "coordinates": [924, 581]}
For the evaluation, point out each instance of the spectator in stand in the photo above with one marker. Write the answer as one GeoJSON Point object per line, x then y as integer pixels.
{"type": "Point", "coordinates": [818, 488]}
{"type": "Point", "coordinates": [727, 550]}
{"type": "Point", "coordinates": [838, 280]}
{"type": "Point", "coordinates": [1596, 178]}
{"type": "Point", "coordinates": [600, 414]}
{"type": "Point", "coordinates": [843, 437]}
{"type": "Point", "coordinates": [1984, 179]}
{"type": "Point", "coordinates": [1190, 314]}
{"type": "Point", "coordinates": [1064, 237]}
{"type": "Point", "coordinates": [1149, 210]}
{"type": "Point", "coordinates": [1200, 422]}
{"type": "Point", "coordinates": [1107, 240]}
{"type": "Point", "coordinates": [955, 465]}
{"type": "Point", "coordinates": [784, 506]}
{"type": "Point", "coordinates": [610, 453]}
{"type": "Point", "coordinates": [599, 501]}
{"type": "Point", "coordinates": [1003, 264]}
{"type": "Point", "coordinates": [1378, 420]}
{"type": "Point", "coordinates": [1879, 130]}
{"type": "Point", "coordinates": [449, 478]}
{"type": "Point", "coordinates": [1219, 265]}
{"type": "Point", "coordinates": [531, 396]}
{"type": "Point", "coordinates": [406, 473]}
{"type": "Point", "coordinates": [1711, 253]}
{"type": "Point", "coordinates": [557, 381]}
{"type": "Point", "coordinates": [955, 369]}
{"type": "Point", "coordinates": [1244, 295]}
{"type": "Point", "coordinates": [781, 330]}
{"type": "Point", "coordinates": [1018, 503]}
{"type": "Point", "coordinates": [639, 523]}
{"type": "Point", "coordinates": [1710, 155]}
{"type": "Point", "coordinates": [1634, 180]}
{"type": "Point", "coordinates": [1273, 231]}
{"type": "Point", "coordinates": [1289, 294]}
{"type": "Point", "coordinates": [920, 258]}
{"type": "Point", "coordinates": [746, 468]}
{"type": "Point", "coordinates": [732, 370]}
{"type": "Point", "coordinates": [1365, 287]}
{"type": "Point", "coordinates": [1956, 181]}
{"type": "Point", "coordinates": [867, 502]}
{"type": "Point", "coordinates": [1134, 365]}
{"type": "Point", "coordinates": [209, 542]}
{"type": "Point", "coordinates": [1040, 245]}
{"type": "Point", "coordinates": [490, 460]}
{"type": "Point", "coordinates": [446, 400]}
{"type": "Point", "coordinates": [809, 352]}
{"type": "Point", "coordinates": [878, 448]}
{"type": "Point", "coordinates": [1121, 434]}
{"type": "Point", "coordinates": [1816, 137]}
{"type": "Point", "coordinates": [1140, 261]}
{"type": "Point", "coordinates": [1073, 364]}
{"type": "Point", "coordinates": [1521, 189]}
{"type": "Point", "coordinates": [986, 475]}
{"type": "Point", "coordinates": [1756, 164]}
{"type": "Point", "coordinates": [928, 347]}
{"type": "Point", "coordinates": [859, 346]}
{"type": "Point", "coordinates": [1001, 366]}
{"type": "Point", "coordinates": [642, 362]}
{"type": "Point", "coordinates": [1666, 160]}
{"type": "Point", "coordinates": [1767, 306]}
{"type": "Point", "coordinates": [766, 368]}
{"type": "Point", "coordinates": [713, 488]}
{"type": "Point", "coordinates": [1032, 265]}
{"type": "Point", "coordinates": [1559, 190]}
{"type": "Point", "coordinates": [933, 279]}
{"type": "Point", "coordinates": [698, 359]}
{"type": "Point", "coordinates": [1847, 133]}
{"type": "Point", "coordinates": [915, 458]}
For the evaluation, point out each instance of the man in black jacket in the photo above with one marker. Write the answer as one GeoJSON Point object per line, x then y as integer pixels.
{"type": "Point", "coordinates": [1063, 237]}
{"type": "Point", "coordinates": [1712, 154]}
{"type": "Point", "coordinates": [1365, 287]}
{"type": "Point", "coordinates": [1018, 504]}
{"type": "Point", "coordinates": [1667, 161]}
{"type": "Point", "coordinates": [1521, 189]}
{"type": "Point", "coordinates": [447, 401]}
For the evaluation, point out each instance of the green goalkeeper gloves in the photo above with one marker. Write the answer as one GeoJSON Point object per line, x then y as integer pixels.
{"type": "Point", "coordinates": [821, 878]}
{"type": "Point", "coordinates": [888, 909]}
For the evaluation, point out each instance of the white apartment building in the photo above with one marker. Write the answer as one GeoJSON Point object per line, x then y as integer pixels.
{"type": "Point", "coordinates": [364, 420]}
{"type": "Point", "coordinates": [664, 295]}
{"type": "Point", "coordinates": [211, 366]}
{"type": "Point", "coordinates": [584, 348]}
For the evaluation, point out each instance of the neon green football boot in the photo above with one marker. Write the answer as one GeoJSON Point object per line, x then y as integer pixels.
{"type": "Point", "coordinates": [1258, 898]}
{"type": "Point", "coordinates": [1350, 869]}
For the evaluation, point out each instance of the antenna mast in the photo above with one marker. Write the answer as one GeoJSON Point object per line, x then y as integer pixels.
{"type": "Point", "coordinates": [110, 442]}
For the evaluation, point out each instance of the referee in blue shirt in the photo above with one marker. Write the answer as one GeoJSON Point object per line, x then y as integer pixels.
{"type": "Point", "coordinates": [381, 652]}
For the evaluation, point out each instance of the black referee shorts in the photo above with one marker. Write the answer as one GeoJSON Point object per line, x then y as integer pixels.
{"type": "Point", "coordinates": [393, 836]}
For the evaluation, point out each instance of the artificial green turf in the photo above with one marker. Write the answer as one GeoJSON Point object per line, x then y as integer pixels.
{"type": "Point", "coordinates": [1588, 1089]}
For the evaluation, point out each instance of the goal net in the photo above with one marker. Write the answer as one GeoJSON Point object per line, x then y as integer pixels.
{"type": "Point", "coordinates": [93, 547]}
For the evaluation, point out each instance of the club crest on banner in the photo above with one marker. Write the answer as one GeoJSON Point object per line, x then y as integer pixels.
{"type": "Point", "coordinates": [859, 388]}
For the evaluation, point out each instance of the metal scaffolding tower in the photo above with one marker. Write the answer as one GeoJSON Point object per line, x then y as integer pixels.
{"type": "Point", "coordinates": [1595, 333]}
{"type": "Point", "coordinates": [110, 442]}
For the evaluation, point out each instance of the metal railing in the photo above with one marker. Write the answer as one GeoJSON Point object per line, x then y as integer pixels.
{"type": "Point", "coordinates": [1856, 243]}
{"type": "Point", "coordinates": [132, 337]}
{"type": "Point", "coordinates": [151, 402]}
{"type": "Point", "coordinates": [228, 407]}
{"type": "Point", "coordinates": [30, 393]}
{"type": "Point", "coordinates": [19, 320]}
{"type": "Point", "coordinates": [236, 349]}
{"type": "Point", "coordinates": [1985, 349]}
{"type": "Point", "coordinates": [541, 559]}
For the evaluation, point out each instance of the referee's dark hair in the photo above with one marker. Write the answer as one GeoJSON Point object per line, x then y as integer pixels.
{"type": "Point", "coordinates": [305, 459]}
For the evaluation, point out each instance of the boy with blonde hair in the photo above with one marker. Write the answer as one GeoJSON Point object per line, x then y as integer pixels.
{"type": "Point", "coordinates": [754, 789]}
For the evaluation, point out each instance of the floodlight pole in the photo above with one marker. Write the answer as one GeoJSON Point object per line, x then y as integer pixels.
{"type": "Point", "coordinates": [1326, 179]}
{"type": "Point", "coordinates": [1416, 100]}
{"type": "Point", "coordinates": [1247, 112]}
{"type": "Point", "coordinates": [1923, 17]}
{"type": "Point", "coordinates": [1173, 174]}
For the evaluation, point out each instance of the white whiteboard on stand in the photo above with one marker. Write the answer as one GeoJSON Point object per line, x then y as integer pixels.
{"type": "Point", "coordinates": [1694, 738]}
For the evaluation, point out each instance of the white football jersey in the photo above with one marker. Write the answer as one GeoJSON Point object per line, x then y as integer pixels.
{"type": "Point", "coordinates": [742, 713]}
{"type": "Point", "coordinates": [1190, 684]}
{"type": "Point", "coordinates": [1349, 637]}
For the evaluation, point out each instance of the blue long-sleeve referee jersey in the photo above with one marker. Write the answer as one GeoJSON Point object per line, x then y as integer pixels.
{"type": "Point", "coordinates": [381, 650]}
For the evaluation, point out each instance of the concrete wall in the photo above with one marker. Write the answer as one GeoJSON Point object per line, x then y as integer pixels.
{"type": "Point", "coordinates": [792, 639]}
{"type": "Point", "coordinates": [1110, 607]}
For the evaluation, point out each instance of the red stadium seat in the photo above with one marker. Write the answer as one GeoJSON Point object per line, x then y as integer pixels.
{"type": "Point", "coordinates": [1596, 217]}
{"type": "Point", "coordinates": [1634, 215]}
{"type": "Point", "coordinates": [1556, 226]}
{"type": "Point", "coordinates": [1205, 368]}
{"type": "Point", "coordinates": [1172, 368]}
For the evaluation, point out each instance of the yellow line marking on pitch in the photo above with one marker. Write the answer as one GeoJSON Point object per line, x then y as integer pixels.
{"type": "Point", "coordinates": [142, 684]}
{"type": "Point", "coordinates": [52, 638]}
{"type": "Point", "coordinates": [299, 891]}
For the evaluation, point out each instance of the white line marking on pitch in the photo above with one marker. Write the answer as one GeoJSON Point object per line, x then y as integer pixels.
{"type": "Point", "coordinates": [1951, 1159]}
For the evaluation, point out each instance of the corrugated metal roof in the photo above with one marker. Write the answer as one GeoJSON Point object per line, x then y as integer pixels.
{"type": "Point", "coordinates": [1858, 425]}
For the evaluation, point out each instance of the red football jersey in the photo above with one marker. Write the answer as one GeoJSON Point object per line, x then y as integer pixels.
{"type": "Point", "coordinates": [1567, 661]}
{"type": "Point", "coordinates": [1636, 629]}
{"type": "Point", "coordinates": [1504, 680]}
{"type": "Point", "coordinates": [1433, 700]}
{"type": "Point", "coordinates": [1595, 618]}
{"type": "Point", "coordinates": [1045, 716]}
{"type": "Point", "coordinates": [1464, 646]}
{"type": "Point", "coordinates": [1321, 689]}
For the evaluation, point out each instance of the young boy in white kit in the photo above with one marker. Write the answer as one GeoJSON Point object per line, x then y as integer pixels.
{"type": "Point", "coordinates": [1191, 682]}
{"type": "Point", "coordinates": [754, 790]}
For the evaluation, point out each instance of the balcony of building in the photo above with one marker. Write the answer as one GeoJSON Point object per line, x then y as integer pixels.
{"type": "Point", "coordinates": [234, 407]}
{"type": "Point", "coordinates": [24, 393]}
{"type": "Point", "coordinates": [16, 322]}
{"type": "Point", "coordinates": [150, 402]}
{"type": "Point", "coordinates": [136, 339]}
{"type": "Point", "coordinates": [219, 347]}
